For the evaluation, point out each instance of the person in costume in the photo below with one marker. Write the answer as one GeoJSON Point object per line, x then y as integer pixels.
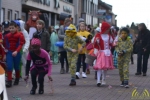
{"type": "Point", "coordinates": [13, 42]}
{"type": "Point", "coordinates": [3, 92]}
{"type": "Point", "coordinates": [124, 48]}
{"type": "Point", "coordinates": [41, 66]}
{"type": "Point", "coordinates": [102, 44]}
{"type": "Point", "coordinates": [26, 45]}
{"type": "Point", "coordinates": [5, 25]}
{"type": "Point", "coordinates": [54, 48]}
{"type": "Point", "coordinates": [2, 52]}
{"type": "Point", "coordinates": [70, 44]}
{"type": "Point", "coordinates": [81, 58]}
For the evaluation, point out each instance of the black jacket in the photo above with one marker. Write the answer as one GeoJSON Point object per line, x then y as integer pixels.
{"type": "Point", "coordinates": [143, 40]}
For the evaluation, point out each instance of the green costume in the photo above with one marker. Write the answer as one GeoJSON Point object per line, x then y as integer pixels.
{"type": "Point", "coordinates": [123, 61]}
{"type": "Point", "coordinates": [71, 41]}
{"type": "Point", "coordinates": [54, 49]}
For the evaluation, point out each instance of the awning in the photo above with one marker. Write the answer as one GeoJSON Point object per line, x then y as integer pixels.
{"type": "Point", "coordinates": [63, 16]}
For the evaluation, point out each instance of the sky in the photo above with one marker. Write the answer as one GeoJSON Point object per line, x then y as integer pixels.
{"type": "Point", "coordinates": [129, 11]}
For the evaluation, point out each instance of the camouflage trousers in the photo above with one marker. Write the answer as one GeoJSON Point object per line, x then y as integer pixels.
{"type": "Point", "coordinates": [72, 60]}
{"type": "Point", "coordinates": [123, 66]}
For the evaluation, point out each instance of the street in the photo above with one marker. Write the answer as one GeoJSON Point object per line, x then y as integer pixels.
{"type": "Point", "coordinates": [85, 89]}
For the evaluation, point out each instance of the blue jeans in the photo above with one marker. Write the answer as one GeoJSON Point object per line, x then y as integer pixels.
{"type": "Point", "coordinates": [13, 61]}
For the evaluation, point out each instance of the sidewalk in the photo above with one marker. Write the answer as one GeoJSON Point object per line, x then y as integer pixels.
{"type": "Point", "coordinates": [86, 89]}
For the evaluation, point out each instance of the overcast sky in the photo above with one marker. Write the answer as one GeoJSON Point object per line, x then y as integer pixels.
{"type": "Point", "coordinates": [129, 11]}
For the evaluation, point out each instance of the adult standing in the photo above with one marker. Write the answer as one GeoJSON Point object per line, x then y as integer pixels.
{"type": "Point", "coordinates": [143, 42]}
{"type": "Point", "coordinates": [62, 51]}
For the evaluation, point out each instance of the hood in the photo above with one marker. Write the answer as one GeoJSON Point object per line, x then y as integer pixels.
{"type": "Point", "coordinates": [105, 26]}
{"type": "Point", "coordinates": [22, 24]}
{"type": "Point", "coordinates": [71, 28]}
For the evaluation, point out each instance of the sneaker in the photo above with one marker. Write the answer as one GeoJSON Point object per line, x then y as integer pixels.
{"type": "Point", "coordinates": [98, 84]}
{"type": "Point", "coordinates": [77, 75]}
{"type": "Point", "coordinates": [103, 82]}
{"type": "Point", "coordinates": [126, 85]}
{"type": "Point", "coordinates": [83, 75]}
{"type": "Point", "coordinates": [122, 84]}
{"type": "Point", "coordinates": [62, 71]}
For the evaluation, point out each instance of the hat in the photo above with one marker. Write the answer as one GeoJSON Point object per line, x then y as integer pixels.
{"type": "Point", "coordinates": [17, 22]}
{"type": "Point", "coordinates": [71, 28]}
{"type": "Point", "coordinates": [56, 27]}
{"type": "Point", "coordinates": [98, 29]}
{"type": "Point", "coordinates": [6, 24]}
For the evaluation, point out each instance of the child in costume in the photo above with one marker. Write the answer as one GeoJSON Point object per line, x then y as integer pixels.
{"type": "Point", "coordinates": [13, 42]}
{"type": "Point", "coordinates": [3, 92]}
{"type": "Point", "coordinates": [124, 48]}
{"type": "Point", "coordinates": [102, 44]}
{"type": "Point", "coordinates": [26, 45]}
{"type": "Point", "coordinates": [54, 48]}
{"type": "Point", "coordinates": [2, 53]}
{"type": "Point", "coordinates": [81, 57]}
{"type": "Point", "coordinates": [41, 66]}
{"type": "Point", "coordinates": [70, 44]}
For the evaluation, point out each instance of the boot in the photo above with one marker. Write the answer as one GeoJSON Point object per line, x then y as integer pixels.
{"type": "Point", "coordinates": [41, 90]}
{"type": "Point", "coordinates": [16, 82]}
{"type": "Point", "coordinates": [9, 83]}
{"type": "Point", "coordinates": [73, 82]}
{"type": "Point", "coordinates": [33, 90]}
{"type": "Point", "coordinates": [62, 71]}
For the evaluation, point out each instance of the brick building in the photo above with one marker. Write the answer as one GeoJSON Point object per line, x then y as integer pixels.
{"type": "Point", "coordinates": [10, 10]}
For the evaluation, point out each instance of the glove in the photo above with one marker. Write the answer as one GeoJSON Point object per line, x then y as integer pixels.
{"type": "Point", "coordinates": [83, 38]}
{"type": "Point", "coordinates": [26, 78]}
{"type": "Point", "coordinates": [50, 78]}
{"type": "Point", "coordinates": [25, 50]}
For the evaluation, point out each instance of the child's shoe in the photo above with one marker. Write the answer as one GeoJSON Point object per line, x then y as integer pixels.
{"type": "Point", "coordinates": [84, 75]}
{"type": "Point", "coordinates": [126, 84]}
{"type": "Point", "coordinates": [88, 71]}
{"type": "Point", "coordinates": [98, 84]}
{"type": "Point", "coordinates": [16, 82]}
{"type": "Point", "coordinates": [77, 75]}
{"type": "Point", "coordinates": [73, 82]}
{"type": "Point", "coordinates": [9, 84]}
{"type": "Point", "coordinates": [103, 82]}
{"type": "Point", "coordinates": [122, 84]}
{"type": "Point", "coordinates": [33, 91]}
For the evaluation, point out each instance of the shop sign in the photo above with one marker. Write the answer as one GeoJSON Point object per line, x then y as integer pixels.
{"type": "Point", "coordinates": [67, 9]}
{"type": "Point", "coordinates": [44, 2]}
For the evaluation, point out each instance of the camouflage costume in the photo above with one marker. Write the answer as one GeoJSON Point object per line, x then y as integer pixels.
{"type": "Point", "coordinates": [71, 42]}
{"type": "Point", "coordinates": [123, 61]}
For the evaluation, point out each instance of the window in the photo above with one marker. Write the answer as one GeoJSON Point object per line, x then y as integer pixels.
{"type": "Point", "coordinates": [16, 15]}
{"type": "Point", "coordinates": [9, 15]}
{"type": "Point", "coordinates": [70, 1]}
{"type": "Point", "coordinates": [2, 14]}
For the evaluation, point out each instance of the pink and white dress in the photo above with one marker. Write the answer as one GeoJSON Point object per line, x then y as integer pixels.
{"type": "Point", "coordinates": [104, 57]}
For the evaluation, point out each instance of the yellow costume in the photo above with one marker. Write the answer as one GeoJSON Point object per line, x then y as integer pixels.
{"type": "Point", "coordinates": [70, 42]}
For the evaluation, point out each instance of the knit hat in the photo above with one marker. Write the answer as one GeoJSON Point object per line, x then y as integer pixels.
{"type": "Point", "coordinates": [36, 41]}
{"type": "Point", "coordinates": [6, 24]}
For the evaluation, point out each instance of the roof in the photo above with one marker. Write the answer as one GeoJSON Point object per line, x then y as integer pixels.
{"type": "Point", "coordinates": [107, 6]}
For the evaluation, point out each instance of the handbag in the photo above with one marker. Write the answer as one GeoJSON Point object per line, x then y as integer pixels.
{"type": "Point", "coordinates": [59, 44]}
{"type": "Point", "coordinates": [89, 46]}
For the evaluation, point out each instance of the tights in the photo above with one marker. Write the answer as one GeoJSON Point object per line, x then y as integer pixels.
{"type": "Point", "coordinates": [101, 73]}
